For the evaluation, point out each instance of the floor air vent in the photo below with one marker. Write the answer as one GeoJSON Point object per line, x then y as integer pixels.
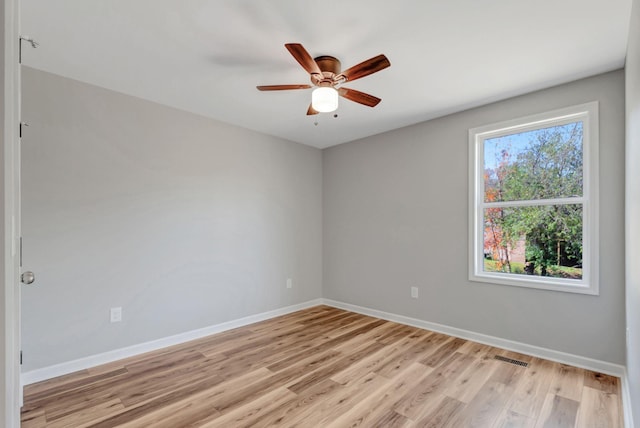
{"type": "Point", "coordinates": [511, 361]}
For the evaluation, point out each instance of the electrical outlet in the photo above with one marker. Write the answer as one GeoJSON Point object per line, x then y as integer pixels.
{"type": "Point", "coordinates": [414, 292]}
{"type": "Point", "coordinates": [289, 283]}
{"type": "Point", "coordinates": [116, 314]}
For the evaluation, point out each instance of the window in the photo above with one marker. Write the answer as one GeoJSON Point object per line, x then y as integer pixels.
{"type": "Point", "coordinates": [533, 201]}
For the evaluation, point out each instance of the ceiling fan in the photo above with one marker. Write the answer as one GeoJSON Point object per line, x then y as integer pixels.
{"type": "Point", "coordinates": [326, 77]}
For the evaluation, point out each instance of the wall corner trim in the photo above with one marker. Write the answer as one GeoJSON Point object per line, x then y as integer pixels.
{"type": "Point", "coordinates": [49, 372]}
{"type": "Point", "coordinates": [626, 401]}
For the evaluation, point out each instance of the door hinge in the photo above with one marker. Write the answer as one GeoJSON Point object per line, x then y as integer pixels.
{"type": "Point", "coordinates": [28, 39]}
{"type": "Point", "coordinates": [20, 357]}
{"type": "Point", "coordinates": [22, 125]}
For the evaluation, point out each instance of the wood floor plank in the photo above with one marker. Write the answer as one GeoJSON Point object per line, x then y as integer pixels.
{"type": "Point", "coordinates": [320, 374]}
{"type": "Point", "coordinates": [43, 396]}
{"type": "Point", "coordinates": [387, 397]}
{"type": "Point", "coordinates": [200, 345]}
{"type": "Point", "coordinates": [294, 317]}
{"type": "Point", "coordinates": [33, 418]}
{"type": "Point", "coordinates": [396, 333]}
{"type": "Point", "coordinates": [510, 419]}
{"type": "Point", "coordinates": [443, 352]}
{"type": "Point", "coordinates": [235, 398]}
{"type": "Point", "coordinates": [31, 392]}
{"type": "Point", "coordinates": [532, 388]}
{"type": "Point", "coordinates": [278, 331]}
{"type": "Point", "coordinates": [275, 349]}
{"type": "Point", "coordinates": [329, 344]}
{"type": "Point", "coordinates": [134, 388]}
{"type": "Point", "coordinates": [478, 350]}
{"type": "Point", "coordinates": [326, 367]}
{"type": "Point", "coordinates": [353, 329]}
{"type": "Point", "coordinates": [407, 351]}
{"type": "Point", "coordinates": [198, 405]}
{"type": "Point", "coordinates": [442, 414]}
{"type": "Point", "coordinates": [413, 404]}
{"type": "Point", "coordinates": [322, 413]}
{"type": "Point", "coordinates": [312, 313]}
{"type": "Point", "coordinates": [602, 382]}
{"type": "Point", "coordinates": [390, 419]}
{"type": "Point", "coordinates": [337, 320]}
{"type": "Point", "coordinates": [372, 335]}
{"type": "Point", "coordinates": [374, 361]}
{"type": "Point", "coordinates": [290, 411]}
{"type": "Point", "coordinates": [509, 374]}
{"type": "Point", "coordinates": [247, 343]}
{"type": "Point", "coordinates": [249, 415]}
{"type": "Point", "coordinates": [86, 416]}
{"type": "Point", "coordinates": [598, 409]}
{"type": "Point", "coordinates": [164, 361]}
{"type": "Point", "coordinates": [298, 341]}
{"type": "Point", "coordinates": [485, 408]}
{"type": "Point", "coordinates": [558, 412]}
{"type": "Point", "coordinates": [567, 381]}
{"type": "Point", "coordinates": [229, 342]}
{"type": "Point", "coordinates": [471, 380]}
{"type": "Point", "coordinates": [151, 405]}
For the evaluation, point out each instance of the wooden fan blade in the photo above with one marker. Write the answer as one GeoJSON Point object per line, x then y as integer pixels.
{"type": "Point", "coordinates": [281, 87]}
{"type": "Point", "coordinates": [365, 68]}
{"type": "Point", "coordinates": [311, 110]}
{"type": "Point", "coordinates": [359, 97]}
{"type": "Point", "coordinates": [302, 56]}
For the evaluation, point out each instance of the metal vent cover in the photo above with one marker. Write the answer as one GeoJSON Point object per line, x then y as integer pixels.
{"type": "Point", "coordinates": [511, 361]}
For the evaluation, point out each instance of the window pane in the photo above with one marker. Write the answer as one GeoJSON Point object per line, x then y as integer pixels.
{"type": "Point", "coordinates": [538, 240]}
{"type": "Point", "coordinates": [540, 164]}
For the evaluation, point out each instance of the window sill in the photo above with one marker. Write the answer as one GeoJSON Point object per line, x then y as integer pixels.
{"type": "Point", "coordinates": [536, 282]}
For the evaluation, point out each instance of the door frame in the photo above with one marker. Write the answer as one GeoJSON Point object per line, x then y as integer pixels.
{"type": "Point", "coordinates": [10, 388]}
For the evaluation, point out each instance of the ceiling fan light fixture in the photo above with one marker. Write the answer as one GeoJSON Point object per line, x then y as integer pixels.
{"type": "Point", "coordinates": [324, 99]}
{"type": "Point", "coordinates": [324, 72]}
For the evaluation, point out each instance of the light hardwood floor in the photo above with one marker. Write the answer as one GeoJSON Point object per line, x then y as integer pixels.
{"type": "Point", "coordinates": [325, 367]}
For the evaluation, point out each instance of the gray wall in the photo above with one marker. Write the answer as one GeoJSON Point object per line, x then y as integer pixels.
{"type": "Point", "coordinates": [396, 216]}
{"type": "Point", "coordinates": [632, 207]}
{"type": "Point", "coordinates": [186, 222]}
{"type": "Point", "coordinates": [182, 221]}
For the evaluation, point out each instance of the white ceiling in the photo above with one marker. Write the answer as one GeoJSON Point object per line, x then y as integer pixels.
{"type": "Point", "coordinates": [207, 57]}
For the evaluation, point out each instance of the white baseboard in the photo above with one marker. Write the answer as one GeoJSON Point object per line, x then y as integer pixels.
{"type": "Point", "coordinates": [45, 373]}
{"type": "Point", "coordinates": [523, 348]}
{"type": "Point", "coordinates": [626, 401]}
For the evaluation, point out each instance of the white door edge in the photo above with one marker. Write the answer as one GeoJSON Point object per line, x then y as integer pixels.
{"type": "Point", "coordinates": [11, 394]}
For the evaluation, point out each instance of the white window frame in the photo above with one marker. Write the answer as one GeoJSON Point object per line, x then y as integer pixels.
{"type": "Point", "coordinates": [588, 114]}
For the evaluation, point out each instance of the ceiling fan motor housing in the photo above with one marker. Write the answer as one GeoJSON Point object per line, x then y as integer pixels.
{"type": "Point", "coordinates": [330, 67]}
